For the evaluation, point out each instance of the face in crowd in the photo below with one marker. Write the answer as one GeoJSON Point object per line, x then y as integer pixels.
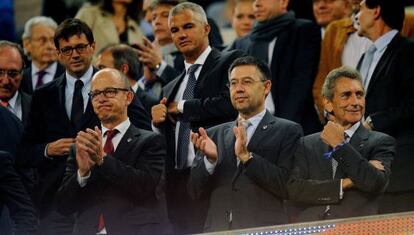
{"type": "Point", "coordinates": [11, 66]}
{"type": "Point", "coordinates": [243, 18]}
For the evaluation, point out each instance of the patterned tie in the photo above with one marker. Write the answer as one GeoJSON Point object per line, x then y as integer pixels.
{"type": "Point", "coordinates": [77, 105]}
{"type": "Point", "coordinates": [366, 65]}
{"type": "Point", "coordinates": [4, 103]}
{"type": "Point", "coordinates": [184, 131]}
{"type": "Point", "coordinates": [40, 75]}
{"type": "Point", "coordinates": [109, 146]}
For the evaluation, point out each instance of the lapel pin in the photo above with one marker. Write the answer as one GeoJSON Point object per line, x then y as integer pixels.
{"type": "Point", "coordinates": [129, 140]}
{"type": "Point", "coordinates": [264, 127]}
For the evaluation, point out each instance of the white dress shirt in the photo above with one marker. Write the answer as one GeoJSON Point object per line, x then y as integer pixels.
{"type": "Point", "coordinates": [70, 87]}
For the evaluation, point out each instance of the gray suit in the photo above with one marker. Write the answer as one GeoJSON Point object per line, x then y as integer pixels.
{"type": "Point", "coordinates": [311, 181]}
{"type": "Point", "coordinates": [252, 193]}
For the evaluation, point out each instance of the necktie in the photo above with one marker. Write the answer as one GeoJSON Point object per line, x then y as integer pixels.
{"type": "Point", "coordinates": [4, 103]}
{"type": "Point", "coordinates": [109, 146]}
{"type": "Point", "coordinates": [184, 131]}
{"type": "Point", "coordinates": [366, 65]}
{"type": "Point", "coordinates": [40, 75]}
{"type": "Point", "coordinates": [77, 105]}
{"type": "Point", "coordinates": [108, 149]}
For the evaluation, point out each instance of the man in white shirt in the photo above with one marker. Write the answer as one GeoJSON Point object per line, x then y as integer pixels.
{"type": "Point", "coordinates": [197, 98]}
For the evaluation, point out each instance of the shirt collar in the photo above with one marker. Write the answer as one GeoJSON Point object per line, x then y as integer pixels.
{"type": "Point", "coordinates": [122, 127]}
{"type": "Point", "coordinates": [12, 102]}
{"type": "Point", "coordinates": [382, 42]}
{"type": "Point", "coordinates": [200, 60]}
{"type": "Point", "coordinates": [49, 69]}
{"type": "Point", "coordinates": [86, 78]}
{"type": "Point", "coordinates": [351, 131]}
{"type": "Point", "coordinates": [255, 120]}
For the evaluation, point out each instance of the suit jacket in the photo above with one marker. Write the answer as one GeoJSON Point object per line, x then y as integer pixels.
{"type": "Point", "coordinates": [11, 131]}
{"type": "Point", "coordinates": [312, 184]}
{"type": "Point", "coordinates": [122, 188]}
{"type": "Point", "coordinates": [294, 66]}
{"type": "Point", "coordinates": [333, 44]}
{"type": "Point", "coordinates": [26, 84]}
{"type": "Point", "coordinates": [390, 104]}
{"type": "Point", "coordinates": [253, 192]}
{"type": "Point", "coordinates": [15, 197]}
{"type": "Point", "coordinates": [211, 104]}
{"type": "Point", "coordinates": [48, 122]}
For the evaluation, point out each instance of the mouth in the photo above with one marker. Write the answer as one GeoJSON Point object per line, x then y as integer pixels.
{"type": "Point", "coordinates": [184, 43]}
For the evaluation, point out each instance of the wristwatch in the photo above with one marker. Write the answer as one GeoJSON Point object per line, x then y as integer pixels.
{"type": "Point", "coordinates": [156, 67]}
{"type": "Point", "coordinates": [368, 120]}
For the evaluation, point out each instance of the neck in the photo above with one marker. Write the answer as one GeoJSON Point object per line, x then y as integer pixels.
{"type": "Point", "coordinates": [379, 31]}
{"type": "Point", "coordinates": [119, 9]}
{"type": "Point", "coordinates": [113, 123]}
{"type": "Point", "coordinates": [191, 58]}
{"type": "Point", "coordinates": [41, 65]}
{"type": "Point", "coordinates": [248, 115]}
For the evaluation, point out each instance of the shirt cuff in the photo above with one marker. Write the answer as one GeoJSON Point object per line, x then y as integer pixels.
{"type": "Point", "coordinates": [341, 190]}
{"type": "Point", "coordinates": [45, 153]}
{"type": "Point", "coordinates": [83, 180]}
{"type": "Point", "coordinates": [180, 106]}
{"type": "Point", "coordinates": [209, 166]}
{"type": "Point", "coordinates": [161, 69]}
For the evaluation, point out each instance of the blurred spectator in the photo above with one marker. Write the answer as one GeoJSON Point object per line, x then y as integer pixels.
{"type": "Point", "coordinates": [38, 43]}
{"type": "Point", "coordinates": [243, 17]}
{"type": "Point", "coordinates": [7, 26]}
{"type": "Point", "coordinates": [113, 21]}
{"type": "Point", "coordinates": [326, 11]}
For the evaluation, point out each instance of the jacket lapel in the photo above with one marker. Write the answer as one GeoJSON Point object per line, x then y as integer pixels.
{"type": "Point", "coordinates": [127, 142]}
{"type": "Point", "coordinates": [260, 132]}
{"type": "Point", "coordinates": [208, 65]}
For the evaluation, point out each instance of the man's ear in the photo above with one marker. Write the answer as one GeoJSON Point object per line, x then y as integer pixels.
{"type": "Point", "coordinates": [124, 68]}
{"type": "Point", "coordinates": [327, 104]}
{"type": "Point", "coordinates": [377, 12]}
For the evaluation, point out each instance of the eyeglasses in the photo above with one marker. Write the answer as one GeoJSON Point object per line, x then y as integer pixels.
{"type": "Point", "coordinates": [11, 73]}
{"type": "Point", "coordinates": [42, 40]}
{"type": "Point", "coordinates": [244, 82]}
{"type": "Point", "coordinates": [108, 92]}
{"type": "Point", "coordinates": [80, 48]}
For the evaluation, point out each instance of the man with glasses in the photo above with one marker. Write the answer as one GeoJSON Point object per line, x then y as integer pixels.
{"type": "Point", "coordinates": [244, 165]}
{"type": "Point", "coordinates": [112, 174]}
{"type": "Point", "coordinates": [38, 43]}
{"type": "Point", "coordinates": [61, 109]}
{"type": "Point", "coordinates": [11, 66]}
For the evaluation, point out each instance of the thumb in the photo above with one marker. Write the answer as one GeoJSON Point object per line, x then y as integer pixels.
{"type": "Point", "coordinates": [202, 132]}
{"type": "Point", "coordinates": [163, 100]}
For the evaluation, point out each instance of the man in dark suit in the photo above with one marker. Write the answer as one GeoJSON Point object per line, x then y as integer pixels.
{"type": "Point", "coordinates": [60, 109]}
{"type": "Point", "coordinates": [110, 179]}
{"type": "Point", "coordinates": [15, 197]}
{"type": "Point", "coordinates": [38, 42]}
{"type": "Point", "coordinates": [386, 69]}
{"type": "Point", "coordinates": [244, 168]}
{"type": "Point", "coordinates": [341, 171]}
{"type": "Point", "coordinates": [291, 49]}
{"type": "Point", "coordinates": [197, 98]}
{"type": "Point", "coordinates": [11, 65]}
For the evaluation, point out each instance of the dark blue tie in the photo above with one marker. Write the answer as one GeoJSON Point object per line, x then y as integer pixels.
{"type": "Point", "coordinates": [77, 105]}
{"type": "Point", "coordinates": [184, 131]}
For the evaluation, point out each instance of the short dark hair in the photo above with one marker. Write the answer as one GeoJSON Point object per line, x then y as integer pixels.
{"type": "Point", "coordinates": [334, 75]}
{"type": "Point", "coordinates": [71, 27]}
{"type": "Point", "coordinates": [124, 54]}
{"type": "Point", "coordinates": [392, 12]}
{"type": "Point", "coordinates": [4, 43]}
{"type": "Point", "coordinates": [251, 60]}
{"type": "Point", "coordinates": [132, 8]}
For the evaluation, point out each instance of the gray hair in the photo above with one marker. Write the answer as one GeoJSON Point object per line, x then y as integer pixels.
{"type": "Point", "coordinates": [42, 20]}
{"type": "Point", "coordinates": [198, 11]}
{"type": "Point", "coordinates": [334, 75]}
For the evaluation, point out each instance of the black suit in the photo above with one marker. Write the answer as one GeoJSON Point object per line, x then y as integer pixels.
{"type": "Point", "coordinates": [48, 122]}
{"type": "Point", "coordinates": [11, 131]}
{"type": "Point", "coordinates": [253, 192]}
{"type": "Point", "coordinates": [15, 197]}
{"type": "Point", "coordinates": [26, 84]}
{"type": "Point", "coordinates": [390, 104]}
{"type": "Point", "coordinates": [210, 106]}
{"type": "Point", "coordinates": [294, 65]}
{"type": "Point", "coordinates": [312, 183]}
{"type": "Point", "coordinates": [122, 188]}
